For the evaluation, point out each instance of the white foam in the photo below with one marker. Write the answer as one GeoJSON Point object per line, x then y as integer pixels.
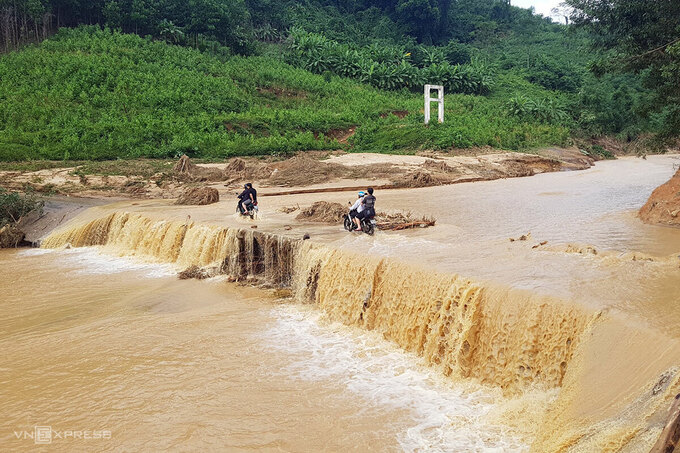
{"type": "Point", "coordinates": [396, 244]}
{"type": "Point", "coordinates": [246, 219]}
{"type": "Point", "coordinates": [34, 252]}
{"type": "Point", "coordinates": [446, 417]}
{"type": "Point", "coordinates": [90, 260]}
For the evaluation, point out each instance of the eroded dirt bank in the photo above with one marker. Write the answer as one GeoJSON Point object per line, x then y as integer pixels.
{"type": "Point", "coordinates": [307, 170]}
{"type": "Point", "coordinates": [57, 210]}
{"type": "Point", "coordinates": [663, 206]}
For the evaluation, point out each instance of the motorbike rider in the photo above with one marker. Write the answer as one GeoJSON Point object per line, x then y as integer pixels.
{"type": "Point", "coordinates": [247, 197]}
{"type": "Point", "coordinates": [357, 206]}
{"type": "Point", "coordinates": [368, 211]}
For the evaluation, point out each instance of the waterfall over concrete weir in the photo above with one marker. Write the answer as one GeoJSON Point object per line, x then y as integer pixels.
{"type": "Point", "coordinates": [509, 339]}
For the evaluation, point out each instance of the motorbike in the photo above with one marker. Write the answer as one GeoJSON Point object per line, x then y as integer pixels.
{"type": "Point", "coordinates": [367, 224]}
{"type": "Point", "coordinates": [248, 210]}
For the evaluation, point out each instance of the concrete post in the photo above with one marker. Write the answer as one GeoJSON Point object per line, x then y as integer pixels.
{"type": "Point", "coordinates": [439, 100]}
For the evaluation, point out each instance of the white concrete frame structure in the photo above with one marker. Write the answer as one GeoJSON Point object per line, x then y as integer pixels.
{"type": "Point", "coordinates": [439, 100]}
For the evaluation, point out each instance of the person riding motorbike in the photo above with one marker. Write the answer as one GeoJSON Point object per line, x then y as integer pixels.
{"type": "Point", "coordinates": [246, 198]}
{"type": "Point", "coordinates": [368, 208]}
{"type": "Point", "coordinates": [357, 206]}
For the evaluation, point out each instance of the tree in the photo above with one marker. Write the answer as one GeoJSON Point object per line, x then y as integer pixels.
{"type": "Point", "coordinates": [169, 31]}
{"type": "Point", "coordinates": [421, 15]}
{"type": "Point", "coordinates": [562, 12]}
{"type": "Point", "coordinates": [641, 37]}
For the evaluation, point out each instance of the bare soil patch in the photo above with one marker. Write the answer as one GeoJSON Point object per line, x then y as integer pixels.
{"type": "Point", "coordinates": [341, 135]}
{"type": "Point", "coordinates": [303, 170]}
{"type": "Point", "coordinates": [663, 206]}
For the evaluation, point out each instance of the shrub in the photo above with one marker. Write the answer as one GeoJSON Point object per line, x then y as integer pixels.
{"type": "Point", "coordinates": [14, 206]}
{"type": "Point", "coordinates": [555, 74]}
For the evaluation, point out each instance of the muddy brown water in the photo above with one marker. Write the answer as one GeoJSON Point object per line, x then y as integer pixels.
{"type": "Point", "coordinates": [445, 339]}
{"type": "Point", "coordinates": [598, 253]}
{"type": "Point", "coordinates": [95, 343]}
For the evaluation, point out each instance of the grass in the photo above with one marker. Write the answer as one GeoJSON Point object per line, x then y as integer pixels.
{"type": "Point", "coordinates": [37, 165]}
{"type": "Point", "coordinates": [118, 167]}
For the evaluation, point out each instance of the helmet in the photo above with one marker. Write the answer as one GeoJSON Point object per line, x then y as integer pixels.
{"type": "Point", "coordinates": [362, 193]}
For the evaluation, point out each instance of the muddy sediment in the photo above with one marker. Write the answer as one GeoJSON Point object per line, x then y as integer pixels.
{"type": "Point", "coordinates": [663, 206]}
{"type": "Point", "coordinates": [303, 170]}
{"type": "Point", "coordinates": [602, 345]}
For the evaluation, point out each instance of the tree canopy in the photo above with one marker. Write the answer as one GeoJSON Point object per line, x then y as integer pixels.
{"type": "Point", "coordinates": [643, 37]}
{"type": "Point", "coordinates": [236, 22]}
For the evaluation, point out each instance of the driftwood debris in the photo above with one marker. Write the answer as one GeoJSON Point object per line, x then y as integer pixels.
{"type": "Point", "coordinates": [184, 165]}
{"type": "Point", "coordinates": [523, 237]}
{"type": "Point", "coordinates": [198, 196]}
{"type": "Point", "coordinates": [405, 225]}
{"type": "Point", "coordinates": [670, 436]}
{"type": "Point", "coordinates": [194, 272]}
{"type": "Point", "coordinates": [323, 211]}
{"type": "Point", "coordinates": [402, 221]}
{"type": "Point", "coordinates": [11, 236]}
{"type": "Point", "coordinates": [289, 209]}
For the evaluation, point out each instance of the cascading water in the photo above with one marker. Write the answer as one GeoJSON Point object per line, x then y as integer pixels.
{"type": "Point", "coordinates": [504, 338]}
{"type": "Point", "coordinates": [509, 339]}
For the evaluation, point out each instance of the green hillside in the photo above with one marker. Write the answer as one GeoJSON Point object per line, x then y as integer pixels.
{"type": "Point", "coordinates": [217, 78]}
{"type": "Point", "coordinates": [88, 93]}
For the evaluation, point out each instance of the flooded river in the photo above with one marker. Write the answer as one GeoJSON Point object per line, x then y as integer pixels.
{"type": "Point", "coordinates": [452, 338]}
{"type": "Point", "coordinates": [95, 343]}
{"type": "Point", "coordinates": [596, 251]}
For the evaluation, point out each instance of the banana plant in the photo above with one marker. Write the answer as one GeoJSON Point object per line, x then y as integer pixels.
{"type": "Point", "coordinates": [433, 56]}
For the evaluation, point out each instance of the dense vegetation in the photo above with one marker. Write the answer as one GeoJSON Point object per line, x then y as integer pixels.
{"type": "Point", "coordinates": [641, 37]}
{"type": "Point", "coordinates": [216, 78]}
{"type": "Point", "coordinates": [236, 23]}
{"type": "Point", "coordinates": [89, 93]}
{"type": "Point", "coordinates": [391, 67]}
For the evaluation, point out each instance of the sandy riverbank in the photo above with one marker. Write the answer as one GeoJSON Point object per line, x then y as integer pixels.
{"type": "Point", "coordinates": [310, 170]}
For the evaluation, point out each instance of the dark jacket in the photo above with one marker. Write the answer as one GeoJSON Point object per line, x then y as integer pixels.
{"type": "Point", "coordinates": [369, 203]}
{"type": "Point", "coordinates": [245, 195]}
